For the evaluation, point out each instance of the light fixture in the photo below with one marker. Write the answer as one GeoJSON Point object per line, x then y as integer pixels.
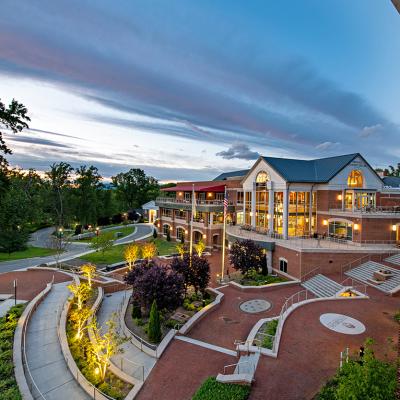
{"type": "Point", "coordinates": [307, 219]}
{"type": "Point", "coordinates": [180, 193]}
{"type": "Point", "coordinates": [394, 228]}
{"type": "Point", "coordinates": [339, 197]}
{"type": "Point", "coordinates": [204, 236]}
{"type": "Point", "coordinates": [325, 222]}
{"type": "Point", "coordinates": [170, 228]}
{"type": "Point", "coordinates": [251, 214]}
{"type": "Point", "coordinates": [186, 232]}
{"type": "Point", "coordinates": [268, 216]}
{"type": "Point", "coordinates": [356, 227]}
{"type": "Point", "coordinates": [209, 194]}
{"type": "Point", "coordinates": [158, 225]}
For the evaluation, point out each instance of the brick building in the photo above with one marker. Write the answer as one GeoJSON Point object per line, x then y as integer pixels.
{"type": "Point", "coordinates": [304, 213]}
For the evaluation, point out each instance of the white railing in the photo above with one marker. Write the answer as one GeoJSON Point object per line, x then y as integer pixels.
{"type": "Point", "coordinates": [369, 210]}
{"type": "Point", "coordinates": [237, 365]}
{"type": "Point", "coordinates": [310, 274]}
{"type": "Point", "coordinates": [173, 200]}
{"type": "Point", "coordinates": [359, 287]}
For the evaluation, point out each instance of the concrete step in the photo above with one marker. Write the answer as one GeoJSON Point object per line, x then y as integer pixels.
{"type": "Point", "coordinates": [322, 286]}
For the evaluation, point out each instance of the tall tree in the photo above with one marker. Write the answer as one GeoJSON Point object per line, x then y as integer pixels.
{"type": "Point", "coordinates": [246, 255]}
{"type": "Point", "coordinates": [59, 181]}
{"type": "Point", "coordinates": [135, 188]}
{"type": "Point", "coordinates": [12, 117]}
{"type": "Point", "coordinates": [88, 184]}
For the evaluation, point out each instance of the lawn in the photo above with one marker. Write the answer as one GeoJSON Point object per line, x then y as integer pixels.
{"type": "Point", "coordinates": [28, 253]}
{"type": "Point", "coordinates": [125, 231]}
{"type": "Point", "coordinates": [213, 390]}
{"type": "Point", "coordinates": [116, 253]}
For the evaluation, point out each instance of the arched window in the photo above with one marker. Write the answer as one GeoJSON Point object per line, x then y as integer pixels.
{"type": "Point", "coordinates": [355, 179]}
{"type": "Point", "coordinates": [180, 233]}
{"type": "Point", "coordinates": [166, 229]}
{"type": "Point", "coordinates": [262, 177]}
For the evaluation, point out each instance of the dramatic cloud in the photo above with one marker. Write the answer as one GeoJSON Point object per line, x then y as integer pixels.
{"type": "Point", "coordinates": [239, 150]}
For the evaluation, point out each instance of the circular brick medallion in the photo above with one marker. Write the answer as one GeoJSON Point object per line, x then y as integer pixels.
{"type": "Point", "coordinates": [255, 306]}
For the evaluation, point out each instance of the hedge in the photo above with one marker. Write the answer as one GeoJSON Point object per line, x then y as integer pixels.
{"type": "Point", "coordinates": [213, 390]}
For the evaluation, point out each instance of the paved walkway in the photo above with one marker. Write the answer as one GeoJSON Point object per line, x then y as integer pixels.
{"type": "Point", "coordinates": [43, 351]}
{"type": "Point", "coordinates": [74, 250]}
{"type": "Point", "coordinates": [132, 357]}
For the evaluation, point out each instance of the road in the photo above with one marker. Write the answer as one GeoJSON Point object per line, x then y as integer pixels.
{"type": "Point", "coordinates": [41, 238]}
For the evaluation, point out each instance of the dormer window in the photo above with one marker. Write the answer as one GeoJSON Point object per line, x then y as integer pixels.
{"type": "Point", "coordinates": [355, 179]}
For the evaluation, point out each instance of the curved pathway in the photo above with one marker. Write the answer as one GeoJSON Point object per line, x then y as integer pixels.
{"type": "Point", "coordinates": [74, 250]}
{"type": "Point", "coordinates": [43, 351]}
{"type": "Point", "coordinates": [112, 303]}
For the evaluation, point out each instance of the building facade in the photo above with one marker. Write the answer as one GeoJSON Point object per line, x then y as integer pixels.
{"type": "Point", "coordinates": [298, 210]}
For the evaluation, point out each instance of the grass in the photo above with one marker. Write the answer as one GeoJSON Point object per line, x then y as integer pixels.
{"type": "Point", "coordinates": [213, 390]}
{"type": "Point", "coordinates": [125, 231]}
{"type": "Point", "coordinates": [8, 385]}
{"type": "Point", "coordinates": [252, 278]}
{"type": "Point", "coordinates": [270, 329]}
{"type": "Point", "coordinates": [116, 253]}
{"type": "Point", "coordinates": [28, 253]}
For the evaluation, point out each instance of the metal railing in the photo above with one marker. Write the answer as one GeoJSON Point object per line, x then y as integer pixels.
{"type": "Point", "coordinates": [360, 286]}
{"type": "Point", "coordinates": [173, 200]}
{"type": "Point", "coordinates": [310, 274]}
{"type": "Point", "coordinates": [226, 367]}
{"type": "Point", "coordinates": [369, 210]}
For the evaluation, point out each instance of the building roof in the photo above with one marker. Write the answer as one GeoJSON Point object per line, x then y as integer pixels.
{"type": "Point", "coordinates": [150, 205]}
{"type": "Point", "coordinates": [319, 170]}
{"type": "Point", "coordinates": [233, 174]}
{"type": "Point", "coordinates": [391, 181]}
{"type": "Point", "coordinates": [210, 186]}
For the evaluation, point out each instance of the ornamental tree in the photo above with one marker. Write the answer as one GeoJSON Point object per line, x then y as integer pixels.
{"type": "Point", "coordinates": [81, 293]}
{"type": "Point", "coordinates": [200, 247]}
{"type": "Point", "coordinates": [149, 250]}
{"type": "Point", "coordinates": [246, 255]}
{"type": "Point", "coordinates": [79, 319]}
{"type": "Point", "coordinates": [103, 242]}
{"type": "Point", "coordinates": [131, 254]}
{"type": "Point", "coordinates": [181, 248]}
{"type": "Point", "coordinates": [151, 282]}
{"type": "Point", "coordinates": [89, 271]}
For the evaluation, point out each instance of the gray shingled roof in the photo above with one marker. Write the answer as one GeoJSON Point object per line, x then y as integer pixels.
{"type": "Point", "coordinates": [391, 181]}
{"type": "Point", "coordinates": [224, 176]}
{"type": "Point", "coordinates": [318, 170]}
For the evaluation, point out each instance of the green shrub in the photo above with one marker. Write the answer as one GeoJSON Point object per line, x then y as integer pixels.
{"type": "Point", "coordinates": [270, 329]}
{"type": "Point", "coordinates": [136, 311]}
{"type": "Point", "coordinates": [138, 321]}
{"type": "Point", "coordinates": [155, 234]}
{"type": "Point", "coordinates": [213, 390]}
{"type": "Point", "coordinates": [154, 332]}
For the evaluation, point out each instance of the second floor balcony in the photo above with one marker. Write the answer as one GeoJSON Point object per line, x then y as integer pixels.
{"type": "Point", "coordinates": [387, 211]}
{"type": "Point", "coordinates": [186, 204]}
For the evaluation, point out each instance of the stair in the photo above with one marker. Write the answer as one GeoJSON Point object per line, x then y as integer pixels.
{"type": "Point", "coordinates": [244, 371]}
{"type": "Point", "coordinates": [395, 259]}
{"type": "Point", "coordinates": [322, 286]}
{"type": "Point", "coordinates": [365, 272]}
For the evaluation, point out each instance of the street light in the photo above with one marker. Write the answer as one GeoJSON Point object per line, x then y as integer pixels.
{"type": "Point", "coordinates": [97, 231]}
{"type": "Point", "coordinates": [60, 232]}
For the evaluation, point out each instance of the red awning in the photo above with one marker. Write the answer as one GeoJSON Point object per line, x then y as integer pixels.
{"type": "Point", "coordinates": [198, 187]}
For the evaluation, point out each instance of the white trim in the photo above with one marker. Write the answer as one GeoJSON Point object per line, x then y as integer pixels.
{"type": "Point", "coordinates": [207, 345]}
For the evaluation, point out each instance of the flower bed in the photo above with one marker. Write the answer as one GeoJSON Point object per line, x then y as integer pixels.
{"type": "Point", "coordinates": [213, 390]}
{"type": "Point", "coordinates": [82, 352]}
{"type": "Point", "coordinates": [253, 278]}
{"type": "Point", "coordinates": [191, 305]}
{"type": "Point", "coordinates": [8, 384]}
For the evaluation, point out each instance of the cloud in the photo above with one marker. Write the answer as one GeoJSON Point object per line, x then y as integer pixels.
{"type": "Point", "coordinates": [36, 140]}
{"type": "Point", "coordinates": [327, 146]}
{"type": "Point", "coordinates": [368, 131]}
{"type": "Point", "coordinates": [238, 150]}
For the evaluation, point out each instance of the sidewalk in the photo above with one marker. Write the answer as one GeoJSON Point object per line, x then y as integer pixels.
{"type": "Point", "coordinates": [43, 351]}
{"type": "Point", "coordinates": [111, 303]}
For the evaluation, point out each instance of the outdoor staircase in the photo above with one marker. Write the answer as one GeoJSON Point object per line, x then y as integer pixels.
{"type": "Point", "coordinates": [244, 370]}
{"type": "Point", "coordinates": [322, 286]}
{"type": "Point", "coordinates": [395, 259]}
{"type": "Point", "coordinates": [365, 273]}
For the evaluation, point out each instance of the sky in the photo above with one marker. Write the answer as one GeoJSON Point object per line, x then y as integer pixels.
{"type": "Point", "coordinates": [186, 89]}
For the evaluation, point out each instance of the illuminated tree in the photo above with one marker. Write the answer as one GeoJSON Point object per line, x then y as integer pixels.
{"type": "Point", "coordinates": [181, 249]}
{"type": "Point", "coordinates": [81, 293]}
{"type": "Point", "coordinates": [79, 319]}
{"type": "Point", "coordinates": [200, 247]}
{"type": "Point", "coordinates": [131, 254]}
{"type": "Point", "coordinates": [104, 346]}
{"type": "Point", "coordinates": [149, 250]}
{"type": "Point", "coordinates": [89, 270]}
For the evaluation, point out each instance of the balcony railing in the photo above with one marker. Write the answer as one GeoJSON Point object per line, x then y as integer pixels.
{"type": "Point", "coordinates": [171, 200]}
{"type": "Point", "coordinates": [369, 210]}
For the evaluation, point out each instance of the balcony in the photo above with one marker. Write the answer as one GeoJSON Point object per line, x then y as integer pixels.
{"type": "Point", "coordinates": [201, 205]}
{"type": "Point", "coordinates": [383, 212]}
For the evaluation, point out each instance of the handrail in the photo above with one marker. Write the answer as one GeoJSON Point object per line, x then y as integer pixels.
{"type": "Point", "coordinates": [313, 271]}
{"type": "Point", "coordinates": [360, 284]}
{"type": "Point", "coordinates": [238, 365]}
{"type": "Point", "coordinates": [173, 200]}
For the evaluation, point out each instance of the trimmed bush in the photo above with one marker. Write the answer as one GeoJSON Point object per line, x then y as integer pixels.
{"type": "Point", "coordinates": [136, 311]}
{"type": "Point", "coordinates": [155, 234]}
{"type": "Point", "coordinates": [213, 390]}
{"type": "Point", "coordinates": [154, 331]}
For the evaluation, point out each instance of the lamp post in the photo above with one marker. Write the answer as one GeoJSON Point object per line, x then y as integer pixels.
{"type": "Point", "coordinates": [97, 231]}
{"type": "Point", "coordinates": [60, 233]}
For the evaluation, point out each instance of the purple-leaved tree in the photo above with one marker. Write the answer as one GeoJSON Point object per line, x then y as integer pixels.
{"type": "Point", "coordinates": [246, 255]}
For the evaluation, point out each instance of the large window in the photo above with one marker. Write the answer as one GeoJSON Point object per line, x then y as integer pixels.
{"type": "Point", "coordinates": [166, 229]}
{"type": "Point", "coordinates": [166, 212]}
{"type": "Point", "coordinates": [278, 212]}
{"type": "Point", "coordinates": [355, 179]}
{"type": "Point", "coordinates": [299, 223]}
{"type": "Point", "coordinates": [341, 229]}
{"type": "Point", "coordinates": [180, 233]}
{"type": "Point", "coordinates": [283, 265]}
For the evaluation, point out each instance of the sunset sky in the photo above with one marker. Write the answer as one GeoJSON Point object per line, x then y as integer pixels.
{"type": "Point", "coordinates": [189, 89]}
